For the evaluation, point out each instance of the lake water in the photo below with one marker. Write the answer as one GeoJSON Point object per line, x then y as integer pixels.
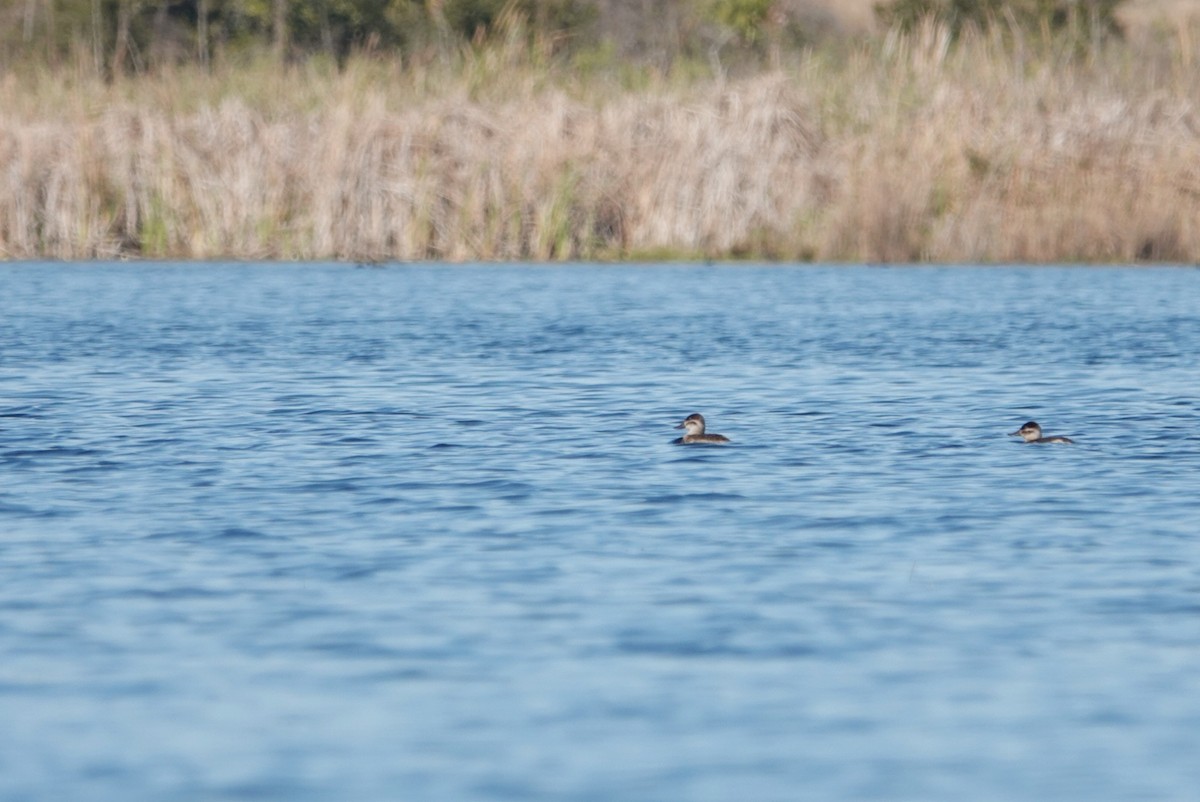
{"type": "Point", "coordinates": [316, 532]}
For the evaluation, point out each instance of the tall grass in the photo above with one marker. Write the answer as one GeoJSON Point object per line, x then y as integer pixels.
{"type": "Point", "coordinates": [910, 148]}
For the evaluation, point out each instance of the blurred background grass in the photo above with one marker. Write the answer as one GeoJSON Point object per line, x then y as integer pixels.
{"type": "Point", "coordinates": [923, 130]}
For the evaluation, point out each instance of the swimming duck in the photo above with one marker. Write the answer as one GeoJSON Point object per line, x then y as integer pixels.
{"type": "Point", "coordinates": [694, 425]}
{"type": "Point", "coordinates": [1032, 433]}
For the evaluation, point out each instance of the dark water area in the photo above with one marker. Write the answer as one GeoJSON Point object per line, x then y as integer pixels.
{"type": "Point", "coordinates": [315, 532]}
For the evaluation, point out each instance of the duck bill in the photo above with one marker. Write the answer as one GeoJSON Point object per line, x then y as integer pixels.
{"type": "Point", "coordinates": [682, 425]}
{"type": "Point", "coordinates": [1015, 434]}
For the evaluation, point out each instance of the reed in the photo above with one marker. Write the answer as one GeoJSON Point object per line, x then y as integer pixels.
{"type": "Point", "coordinates": [910, 148]}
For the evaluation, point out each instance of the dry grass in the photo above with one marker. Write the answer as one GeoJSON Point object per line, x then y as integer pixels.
{"type": "Point", "coordinates": [910, 149]}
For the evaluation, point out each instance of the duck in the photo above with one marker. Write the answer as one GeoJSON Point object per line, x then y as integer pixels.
{"type": "Point", "coordinates": [694, 426]}
{"type": "Point", "coordinates": [1031, 432]}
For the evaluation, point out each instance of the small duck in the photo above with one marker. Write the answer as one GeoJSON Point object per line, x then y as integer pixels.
{"type": "Point", "coordinates": [694, 424]}
{"type": "Point", "coordinates": [1032, 433]}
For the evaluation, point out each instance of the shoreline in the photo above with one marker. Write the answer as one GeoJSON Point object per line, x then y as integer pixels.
{"type": "Point", "coordinates": [623, 264]}
{"type": "Point", "coordinates": [908, 149]}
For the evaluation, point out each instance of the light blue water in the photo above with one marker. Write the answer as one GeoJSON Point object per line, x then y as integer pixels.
{"type": "Point", "coordinates": [417, 533]}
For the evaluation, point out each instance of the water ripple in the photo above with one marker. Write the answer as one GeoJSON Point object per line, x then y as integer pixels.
{"type": "Point", "coordinates": [302, 532]}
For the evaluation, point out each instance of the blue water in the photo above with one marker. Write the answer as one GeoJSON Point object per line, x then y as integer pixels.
{"type": "Point", "coordinates": [312, 532]}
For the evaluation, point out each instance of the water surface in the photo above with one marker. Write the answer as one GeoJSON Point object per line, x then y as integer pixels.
{"type": "Point", "coordinates": [311, 532]}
